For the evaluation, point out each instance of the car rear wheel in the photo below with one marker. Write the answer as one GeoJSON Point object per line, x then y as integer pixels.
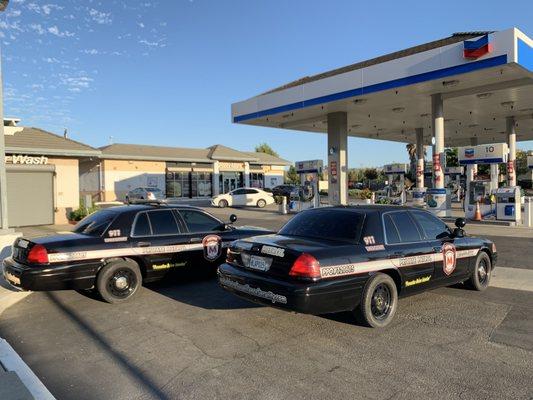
{"type": "Point", "coordinates": [379, 301]}
{"type": "Point", "coordinates": [480, 278]}
{"type": "Point", "coordinates": [119, 281]}
{"type": "Point", "coordinates": [261, 203]}
{"type": "Point", "coordinates": [223, 203]}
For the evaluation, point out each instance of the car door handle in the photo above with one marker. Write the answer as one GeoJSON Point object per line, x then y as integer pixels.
{"type": "Point", "coordinates": [195, 240]}
{"type": "Point", "coordinates": [143, 244]}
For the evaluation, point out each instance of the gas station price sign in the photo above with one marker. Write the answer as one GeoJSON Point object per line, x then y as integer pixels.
{"type": "Point", "coordinates": [484, 154]}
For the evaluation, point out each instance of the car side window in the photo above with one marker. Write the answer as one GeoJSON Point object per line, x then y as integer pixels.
{"type": "Point", "coordinates": [250, 191]}
{"type": "Point", "coordinates": [163, 222]}
{"type": "Point", "coordinates": [406, 227]}
{"type": "Point", "coordinates": [433, 227]}
{"type": "Point", "coordinates": [238, 192]}
{"type": "Point", "coordinates": [142, 225]}
{"type": "Point", "coordinates": [199, 222]}
{"type": "Point", "coordinates": [391, 232]}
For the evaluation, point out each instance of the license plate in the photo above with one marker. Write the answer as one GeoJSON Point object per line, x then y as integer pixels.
{"type": "Point", "coordinates": [12, 278]}
{"type": "Point", "coordinates": [258, 263]}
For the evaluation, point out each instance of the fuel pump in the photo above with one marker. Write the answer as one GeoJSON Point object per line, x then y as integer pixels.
{"type": "Point", "coordinates": [481, 190]}
{"type": "Point", "coordinates": [452, 181]}
{"type": "Point", "coordinates": [395, 190]}
{"type": "Point", "coordinates": [306, 195]}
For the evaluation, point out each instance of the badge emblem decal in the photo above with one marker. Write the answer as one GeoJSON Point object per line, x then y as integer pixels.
{"type": "Point", "coordinates": [449, 260]}
{"type": "Point", "coordinates": [212, 247]}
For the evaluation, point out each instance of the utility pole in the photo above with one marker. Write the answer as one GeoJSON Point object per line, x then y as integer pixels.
{"type": "Point", "coordinates": [4, 228]}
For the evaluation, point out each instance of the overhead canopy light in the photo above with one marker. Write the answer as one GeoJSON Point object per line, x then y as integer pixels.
{"type": "Point", "coordinates": [507, 104]}
{"type": "Point", "coordinates": [484, 95]}
{"type": "Point", "coordinates": [398, 109]}
{"type": "Point", "coordinates": [360, 101]}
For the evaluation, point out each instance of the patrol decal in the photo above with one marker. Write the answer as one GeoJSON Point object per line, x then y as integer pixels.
{"type": "Point", "coordinates": [116, 239]}
{"type": "Point", "coordinates": [273, 251]}
{"type": "Point", "coordinates": [418, 281]}
{"type": "Point", "coordinates": [449, 258]}
{"type": "Point", "coordinates": [167, 265]}
{"type": "Point", "coordinates": [369, 240]}
{"type": "Point", "coordinates": [212, 247]}
{"type": "Point", "coordinates": [376, 247]}
{"type": "Point", "coordinates": [273, 297]}
{"type": "Point", "coordinates": [113, 233]}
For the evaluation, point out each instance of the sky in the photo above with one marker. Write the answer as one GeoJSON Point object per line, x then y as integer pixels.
{"type": "Point", "coordinates": [165, 72]}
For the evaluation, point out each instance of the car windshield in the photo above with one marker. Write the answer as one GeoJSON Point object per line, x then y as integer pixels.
{"type": "Point", "coordinates": [95, 224]}
{"type": "Point", "coordinates": [343, 225]}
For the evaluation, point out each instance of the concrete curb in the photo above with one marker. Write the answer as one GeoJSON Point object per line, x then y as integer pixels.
{"type": "Point", "coordinates": [11, 361]}
{"type": "Point", "coordinates": [512, 278]}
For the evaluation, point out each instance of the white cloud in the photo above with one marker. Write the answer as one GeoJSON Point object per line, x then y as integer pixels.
{"type": "Point", "coordinates": [158, 43]}
{"type": "Point", "coordinates": [92, 52]}
{"type": "Point", "coordinates": [140, 24]}
{"type": "Point", "coordinates": [51, 60]}
{"type": "Point", "coordinates": [14, 13]}
{"type": "Point", "coordinates": [38, 28]}
{"type": "Point", "coordinates": [100, 17]}
{"type": "Point", "coordinates": [37, 86]}
{"type": "Point", "coordinates": [47, 8]}
{"type": "Point", "coordinates": [54, 30]}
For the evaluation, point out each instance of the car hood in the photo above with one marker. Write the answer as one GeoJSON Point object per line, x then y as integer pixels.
{"type": "Point", "coordinates": [62, 240]}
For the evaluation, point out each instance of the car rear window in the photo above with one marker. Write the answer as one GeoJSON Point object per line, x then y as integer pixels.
{"type": "Point", "coordinates": [96, 223]}
{"type": "Point", "coordinates": [343, 225]}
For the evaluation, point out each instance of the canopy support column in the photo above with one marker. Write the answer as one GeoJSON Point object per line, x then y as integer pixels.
{"type": "Point", "coordinates": [511, 142]}
{"type": "Point", "coordinates": [438, 198]}
{"type": "Point", "coordinates": [337, 158]}
{"type": "Point", "coordinates": [420, 158]}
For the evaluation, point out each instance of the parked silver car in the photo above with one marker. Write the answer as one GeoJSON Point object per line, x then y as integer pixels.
{"type": "Point", "coordinates": [144, 193]}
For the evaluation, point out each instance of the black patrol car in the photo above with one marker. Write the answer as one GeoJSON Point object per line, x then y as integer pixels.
{"type": "Point", "coordinates": [116, 249]}
{"type": "Point", "coordinates": [356, 259]}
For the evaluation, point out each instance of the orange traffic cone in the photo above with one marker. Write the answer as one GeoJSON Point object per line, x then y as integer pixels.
{"type": "Point", "coordinates": [477, 215]}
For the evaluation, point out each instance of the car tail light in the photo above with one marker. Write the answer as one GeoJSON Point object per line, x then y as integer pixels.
{"type": "Point", "coordinates": [151, 196]}
{"type": "Point", "coordinates": [38, 255]}
{"type": "Point", "coordinates": [230, 256]}
{"type": "Point", "coordinates": [305, 266]}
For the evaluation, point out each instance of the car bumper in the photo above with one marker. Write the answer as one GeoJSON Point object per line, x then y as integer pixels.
{"type": "Point", "coordinates": [40, 278]}
{"type": "Point", "coordinates": [320, 297]}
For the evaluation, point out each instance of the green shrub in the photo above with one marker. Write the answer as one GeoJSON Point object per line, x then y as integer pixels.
{"type": "Point", "coordinates": [80, 213]}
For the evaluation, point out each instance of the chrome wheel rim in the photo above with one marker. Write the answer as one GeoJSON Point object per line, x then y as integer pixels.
{"type": "Point", "coordinates": [483, 272]}
{"type": "Point", "coordinates": [122, 283]}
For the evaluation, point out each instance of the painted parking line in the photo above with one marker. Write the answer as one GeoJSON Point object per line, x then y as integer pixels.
{"type": "Point", "coordinates": [512, 278]}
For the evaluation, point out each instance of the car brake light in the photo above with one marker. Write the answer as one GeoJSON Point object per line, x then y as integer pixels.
{"type": "Point", "coordinates": [38, 254]}
{"type": "Point", "coordinates": [305, 266]}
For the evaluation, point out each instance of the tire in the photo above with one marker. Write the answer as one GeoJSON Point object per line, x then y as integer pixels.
{"type": "Point", "coordinates": [112, 278]}
{"type": "Point", "coordinates": [261, 203]}
{"type": "Point", "coordinates": [379, 301]}
{"type": "Point", "coordinates": [223, 203]}
{"type": "Point", "coordinates": [480, 278]}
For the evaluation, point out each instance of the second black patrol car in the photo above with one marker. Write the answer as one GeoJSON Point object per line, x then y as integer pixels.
{"type": "Point", "coordinates": [116, 249]}
{"type": "Point", "coordinates": [355, 259]}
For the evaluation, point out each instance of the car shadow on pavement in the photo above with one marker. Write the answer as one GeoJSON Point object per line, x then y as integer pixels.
{"type": "Point", "coordinates": [127, 365]}
{"type": "Point", "coordinates": [203, 292]}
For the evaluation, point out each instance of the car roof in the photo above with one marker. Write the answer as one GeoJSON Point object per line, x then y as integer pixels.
{"type": "Point", "coordinates": [151, 206]}
{"type": "Point", "coordinates": [367, 208]}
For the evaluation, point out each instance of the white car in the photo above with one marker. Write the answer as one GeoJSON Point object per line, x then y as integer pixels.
{"type": "Point", "coordinates": [243, 197]}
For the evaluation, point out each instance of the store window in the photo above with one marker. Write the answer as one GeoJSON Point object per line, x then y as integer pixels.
{"type": "Point", "coordinates": [177, 184]}
{"type": "Point", "coordinates": [201, 184]}
{"type": "Point", "coordinates": [257, 180]}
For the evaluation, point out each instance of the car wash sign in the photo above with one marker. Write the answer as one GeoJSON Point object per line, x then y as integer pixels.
{"type": "Point", "coordinates": [26, 160]}
{"type": "Point", "coordinates": [309, 166]}
{"type": "Point", "coordinates": [391, 169]}
{"type": "Point", "coordinates": [483, 154]}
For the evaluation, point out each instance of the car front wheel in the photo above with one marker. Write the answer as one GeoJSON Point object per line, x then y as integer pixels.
{"type": "Point", "coordinates": [119, 281]}
{"type": "Point", "coordinates": [261, 203]}
{"type": "Point", "coordinates": [480, 278]}
{"type": "Point", "coordinates": [379, 301]}
{"type": "Point", "coordinates": [223, 203]}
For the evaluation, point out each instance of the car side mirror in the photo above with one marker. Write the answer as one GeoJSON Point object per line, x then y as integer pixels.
{"type": "Point", "coordinates": [458, 233]}
{"type": "Point", "coordinates": [232, 218]}
{"type": "Point", "coordinates": [460, 223]}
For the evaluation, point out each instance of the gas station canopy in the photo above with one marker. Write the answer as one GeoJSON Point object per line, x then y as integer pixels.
{"type": "Point", "coordinates": [483, 78]}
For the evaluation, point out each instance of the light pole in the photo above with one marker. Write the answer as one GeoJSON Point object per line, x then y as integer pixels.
{"type": "Point", "coordinates": [4, 225]}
